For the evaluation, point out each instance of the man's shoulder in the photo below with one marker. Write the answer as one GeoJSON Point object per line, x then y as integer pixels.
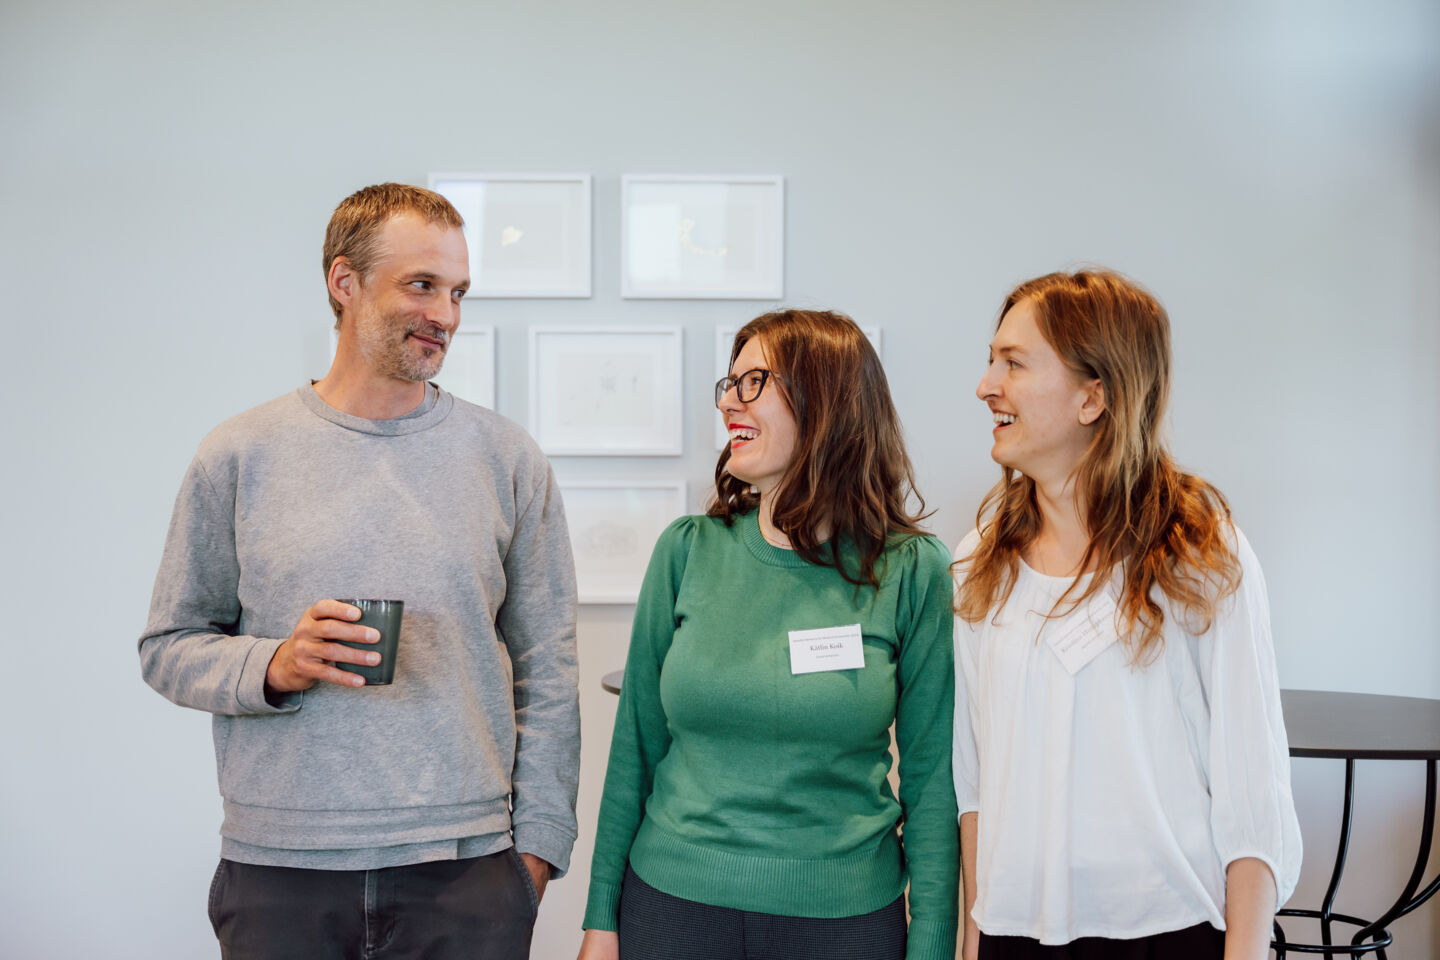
{"type": "Point", "coordinates": [254, 427]}
{"type": "Point", "coordinates": [475, 417]}
{"type": "Point", "coordinates": [501, 437]}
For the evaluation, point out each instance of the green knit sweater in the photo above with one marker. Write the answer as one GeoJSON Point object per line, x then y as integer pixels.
{"type": "Point", "coordinates": [735, 783]}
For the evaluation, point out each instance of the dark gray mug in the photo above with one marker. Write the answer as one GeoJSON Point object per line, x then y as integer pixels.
{"type": "Point", "coordinates": [383, 615]}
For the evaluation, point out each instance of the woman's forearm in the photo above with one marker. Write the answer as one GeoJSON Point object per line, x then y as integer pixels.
{"type": "Point", "coordinates": [969, 823]}
{"type": "Point", "coordinates": [1249, 908]}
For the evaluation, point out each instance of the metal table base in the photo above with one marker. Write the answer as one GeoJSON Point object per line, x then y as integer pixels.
{"type": "Point", "coordinates": [1356, 726]}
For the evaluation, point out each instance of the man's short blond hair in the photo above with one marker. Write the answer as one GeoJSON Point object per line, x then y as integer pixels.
{"type": "Point", "coordinates": [355, 227]}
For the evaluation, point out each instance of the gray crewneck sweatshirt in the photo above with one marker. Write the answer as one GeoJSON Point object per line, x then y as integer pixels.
{"type": "Point", "coordinates": [452, 509]}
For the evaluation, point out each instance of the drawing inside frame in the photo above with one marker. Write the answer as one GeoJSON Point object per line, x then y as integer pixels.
{"type": "Point", "coordinates": [607, 391]}
{"type": "Point", "coordinates": [725, 339]}
{"type": "Point", "coordinates": [702, 237]}
{"type": "Point", "coordinates": [528, 233]}
{"type": "Point", "coordinates": [613, 528]}
{"type": "Point", "coordinates": [469, 368]}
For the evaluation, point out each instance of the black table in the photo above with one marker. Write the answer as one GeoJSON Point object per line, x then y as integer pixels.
{"type": "Point", "coordinates": [1363, 726]}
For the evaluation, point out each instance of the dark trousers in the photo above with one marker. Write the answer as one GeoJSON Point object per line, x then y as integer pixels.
{"type": "Point", "coordinates": [1200, 942]}
{"type": "Point", "coordinates": [657, 926]}
{"type": "Point", "coordinates": [482, 908]}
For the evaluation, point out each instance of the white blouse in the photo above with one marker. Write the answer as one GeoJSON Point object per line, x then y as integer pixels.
{"type": "Point", "coordinates": [1110, 802]}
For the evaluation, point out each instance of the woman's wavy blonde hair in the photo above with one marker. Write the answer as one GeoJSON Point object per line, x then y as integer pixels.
{"type": "Point", "coordinates": [1161, 526]}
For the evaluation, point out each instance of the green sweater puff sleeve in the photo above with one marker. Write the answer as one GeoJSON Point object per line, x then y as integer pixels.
{"type": "Point", "coordinates": [641, 738]}
{"type": "Point", "coordinates": [923, 728]}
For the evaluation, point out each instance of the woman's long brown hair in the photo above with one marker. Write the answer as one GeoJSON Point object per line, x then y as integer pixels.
{"type": "Point", "coordinates": [1161, 526]}
{"type": "Point", "coordinates": [850, 472]}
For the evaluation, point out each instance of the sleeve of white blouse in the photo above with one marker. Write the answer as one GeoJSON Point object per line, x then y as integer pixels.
{"type": "Point", "coordinates": [966, 758]}
{"type": "Point", "coordinates": [1252, 810]}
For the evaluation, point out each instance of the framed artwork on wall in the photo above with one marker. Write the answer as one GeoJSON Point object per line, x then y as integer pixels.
{"type": "Point", "coordinates": [607, 391]}
{"type": "Point", "coordinates": [528, 233]}
{"type": "Point", "coordinates": [725, 338]}
{"type": "Point", "coordinates": [702, 237]}
{"type": "Point", "coordinates": [613, 528]}
{"type": "Point", "coordinates": [469, 368]}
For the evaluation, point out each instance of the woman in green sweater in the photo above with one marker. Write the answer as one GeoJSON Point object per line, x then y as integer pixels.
{"type": "Point", "coordinates": [747, 812]}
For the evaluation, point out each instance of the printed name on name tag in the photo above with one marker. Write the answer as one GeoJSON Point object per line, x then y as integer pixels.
{"type": "Point", "coordinates": [1085, 634]}
{"type": "Point", "coordinates": [829, 648]}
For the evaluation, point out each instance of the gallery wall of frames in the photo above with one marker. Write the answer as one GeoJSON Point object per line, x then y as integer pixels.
{"type": "Point", "coordinates": [611, 390]}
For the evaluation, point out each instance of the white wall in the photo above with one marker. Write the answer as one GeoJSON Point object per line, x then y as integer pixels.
{"type": "Point", "coordinates": [1272, 170]}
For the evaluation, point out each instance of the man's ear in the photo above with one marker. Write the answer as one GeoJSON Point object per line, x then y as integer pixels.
{"type": "Point", "coordinates": [1094, 404]}
{"type": "Point", "coordinates": [343, 281]}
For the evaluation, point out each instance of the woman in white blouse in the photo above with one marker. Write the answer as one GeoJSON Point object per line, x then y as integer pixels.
{"type": "Point", "coordinates": [1120, 757]}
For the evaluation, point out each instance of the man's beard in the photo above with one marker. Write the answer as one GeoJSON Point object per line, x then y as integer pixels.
{"type": "Point", "coordinates": [384, 342]}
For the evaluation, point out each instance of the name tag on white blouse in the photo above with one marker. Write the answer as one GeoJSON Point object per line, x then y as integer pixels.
{"type": "Point", "coordinates": [1085, 634]}
{"type": "Point", "coordinates": [829, 648]}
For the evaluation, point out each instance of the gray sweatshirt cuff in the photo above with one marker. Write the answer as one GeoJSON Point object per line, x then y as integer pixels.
{"type": "Point", "coordinates": [547, 843]}
{"type": "Point", "coordinates": [250, 691]}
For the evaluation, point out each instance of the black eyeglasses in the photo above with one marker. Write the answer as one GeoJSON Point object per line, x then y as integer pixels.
{"type": "Point", "coordinates": [747, 386]}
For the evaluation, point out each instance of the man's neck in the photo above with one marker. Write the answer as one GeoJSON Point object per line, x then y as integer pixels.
{"type": "Point", "coordinates": [368, 396]}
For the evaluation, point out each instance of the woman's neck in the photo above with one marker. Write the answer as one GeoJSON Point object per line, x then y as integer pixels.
{"type": "Point", "coordinates": [772, 534]}
{"type": "Point", "coordinates": [1059, 548]}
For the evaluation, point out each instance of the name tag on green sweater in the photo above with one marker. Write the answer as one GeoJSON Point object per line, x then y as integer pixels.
{"type": "Point", "coordinates": [829, 648]}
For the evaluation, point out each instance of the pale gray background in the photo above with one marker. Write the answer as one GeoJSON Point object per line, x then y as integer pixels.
{"type": "Point", "coordinates": [1271, 169]}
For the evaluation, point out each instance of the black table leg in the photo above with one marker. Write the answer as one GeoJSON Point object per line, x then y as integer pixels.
{"type": "Point", "coordinates": [1375, 931]}
{"type": "Point", "coordinates": [1408, 901]}
{"type": "Point", "coordinates": [1346, 819]}
{"type": "Point", "coordinates": [1326, 914]}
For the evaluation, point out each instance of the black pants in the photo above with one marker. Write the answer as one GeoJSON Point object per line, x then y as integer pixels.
{"type": "Point", "coordinates": [657, 926]}
{"type": "Point", "coordinates": [1200, 942]}
{"type": "Point", "coordinates": [483, 907]}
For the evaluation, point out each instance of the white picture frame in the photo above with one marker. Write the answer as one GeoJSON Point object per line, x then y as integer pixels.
{"type": "Point", "coordinates": [702, 237]}
{"type": "Point", "coordinates": [607, 391]}
{"type": "Point", "coordinates": [469, 368]}
{"type": "Point", "coordinates": [613, 528]}
{"type": "Point", "coordinates": [528, 233]}
{"type": "Point", "coordinates": [725, 339]}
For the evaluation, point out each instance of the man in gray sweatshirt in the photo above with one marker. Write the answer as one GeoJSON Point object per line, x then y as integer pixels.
{"type": "Point", "coordinates": [422, 817]}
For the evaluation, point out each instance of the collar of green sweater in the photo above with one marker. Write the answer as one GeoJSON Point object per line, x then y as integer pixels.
{"type": "Point", "coordinates": [762, 549]}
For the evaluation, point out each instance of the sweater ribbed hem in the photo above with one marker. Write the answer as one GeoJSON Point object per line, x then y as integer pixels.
{"type": "Point", "coordinates": [834, 887]}
{"type": "Point", "coordinates": [932, 939]}
{"type": "Point", "coordinates": [250, 689]}
{"type": "Point", "coordinates": [362, 829]}
{"type": "Point", "coordinates": [602, 907]}
{"type": "Point", "coordinates": [546, 841]}
{"type": "Point", "coordinates": [372, 858]}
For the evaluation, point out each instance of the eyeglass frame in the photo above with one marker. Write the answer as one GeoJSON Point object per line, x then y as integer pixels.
{"type": "Point", "coordinates": [723, 385]}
